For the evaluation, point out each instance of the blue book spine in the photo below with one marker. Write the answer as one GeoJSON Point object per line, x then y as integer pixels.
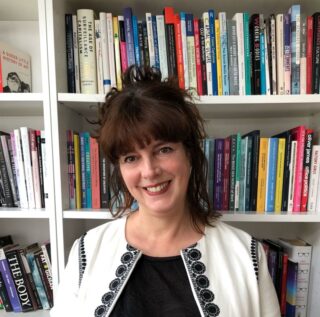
{"type": "Point", "coordinates": [262, 64]}
{"type": "Point", "coordinates": [295, 49]}
{"type": "Point", "coordinates": [189, 25]}
{"type": "Point", "coordinates": [136, 39]}
{"type": "Point", "coordinates": [224, 53]}
{"type": "Point", "coordinates": [83, 170]}
{"type": "Point", "coordinates": [247, 53]}
{"type": "Point", "coordinates": [88, 169]}
{"type": "Point", "coordinates": [213, 53]}
{"type": "Point", "coordinates": [9, 283]}
{"type": "Point", "coordinates": [155, 42]}
{"type": "Point", "coordinates": [272, 173]}
{"type": "Point", "coordinates": [128, 29]}
{"type": "Point", "coordinates": [218, 173]}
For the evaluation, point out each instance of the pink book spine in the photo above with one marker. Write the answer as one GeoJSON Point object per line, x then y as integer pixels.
{"type": "Point", "coordinates": [95, 175]}
{"type": "Point", "coordinates": [298, 134]}
{"type": "Point", "coordinates": [198, 56]}
{"type": "Point", "coordinates": [309, 53]}
{"type": "Point", "coordinates": [123, 54]}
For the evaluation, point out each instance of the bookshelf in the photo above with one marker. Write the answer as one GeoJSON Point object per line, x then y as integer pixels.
{"type": "Point", "coordinates": [39, 28]}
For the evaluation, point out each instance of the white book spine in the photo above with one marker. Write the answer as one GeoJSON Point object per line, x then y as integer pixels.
{"type": "Point", "coordinates": [20, 170]}
{"type": "Point", "coordinates": [87, 51]}
{"type": "Point", "coordinates": [104, 50]}
{"type": "Point", "coordinates": [184, 48]}
{"type": "Point", "coordinates": [314, 179]}
{"type": "Point", "coordinates": [76, 52]}
{"type": "Point", "coordinates": [150, 39]}
{"type": "Point", "coordinates": [273, 54]}
{"type": "Point", "coordinates": [111, 50]}
{"type": "Point", "coordinates": [266, 62]}
{"type": "Point", "coordinates": [292, 168]}
{"type": "Point", "coordinates": [35, 169]}
{"type": "Point", "coordinates": [192, 68]}
{"type": "Point", "coordinates": [224, 52]}
{"type": "Point", "coordinates": [238, 17]}
{"type": "Point", "coordinates": [206, 28]}
{"type": "Point", "coordinates": [45, 167]}
{"type": "Point", "coordinates": [25, 141]}
{"type": "Point", "coordinates": [280, 47]}
{"type": "Point", "coordinates": [162, 46]}
{"type": "Point", "coordinates": [99, 57]}
{"type": "Point", "coordinates": [116, 42]}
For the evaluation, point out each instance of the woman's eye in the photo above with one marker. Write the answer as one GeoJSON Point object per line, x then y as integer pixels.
{"type": "Point", "coordinates": [129, 159]}
{"type": "Point", "coordinates": [165, 150]}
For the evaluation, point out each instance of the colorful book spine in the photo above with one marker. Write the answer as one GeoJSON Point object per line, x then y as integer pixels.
{"type": "Point", "coordinates": [279, 175]}
{"type": "Point", "coordinates": [203, 58]}
{"type": "Point", "coordinates": [263, 79]}
{"type": "Point", "coordinates": [314, 178]}
{"type": "Point", "coordinates": [233, 57]}
{"type": "Point", "coordinates": [218, 173]}
{"type": "Point", "coordinates": [95, 173]}
{"type": "Point", "coordinates": [155, 42]}
{"type": "Point", "coordinates": [111, 56]}
{"type": "Point", "coordinates": [136, 39]}
{"type": "Point", "coordinates": [198, 56]}
{"type": "Point", "coordinates": [83, 171]}
{"type": "Point", "coordinates": [116, 41]}
{"type": "Point", "coordinates": [224, 52]}
{"type": "Point", "coordinates": [303, 54]}
{"type": "Point", "coordinates": [123, 44]}
{"type": "Point", "coordinates": [292, 169]}
{"type": "Point", "coordinates": [192, 71]}
{"type": "Point", "coordinates": [179, 52]}
{"type": "Point", "coordinates": [213, 52]}
{"type": "Point", "coordinates": [207, 50]}
{"type": "Point", "coordinates": [77, 167]}
{"type": "Point", "coordinates": [71, 169]}
{"type": "Point", "coordinates": [150, 39]}
{"type": "Point", "coordinates": [226, 173]}
{"type": "Point", "coordinates": [232, 172]}
{"type": "Point", "coordinates": [218, 57]}
{"type": "Point", "coordinates": [127, 17]}
{"type": "Point", "coordinates": [309, 53]}
{"type": "Point", "coordinates": [238, 174]}
{"type": "Point", "coordinates": [287, 53]}
{"type": "Point", "coordinates": [262, 174]}
{"type": "Point", "coordinates": [316, 54]}
{"type": "Point", "coordinates": [183, 26]}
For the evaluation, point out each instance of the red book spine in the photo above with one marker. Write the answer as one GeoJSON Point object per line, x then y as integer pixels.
{"type": "Point", "coordinates": [95, 175]}
{"type": "Point", "coordinates": [226, 174]}
{"type": "Point", "coordinates": [309, 53]}
{"type": "Point", "coordinates": [178, 39]}
{"type": "Point", "coordinates": [198, 56]}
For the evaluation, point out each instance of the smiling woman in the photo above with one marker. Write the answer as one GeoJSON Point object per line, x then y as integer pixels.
{"type": "Point", "coordinates": [172, 256]}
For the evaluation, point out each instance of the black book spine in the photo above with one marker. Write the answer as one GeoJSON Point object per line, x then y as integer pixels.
{"type": "Point", "coordinates": [255, 170]}
{"type": "Point", "coordinates": [104, 181]}
{"type": "Point", "coordinates": [145, 43]}
{"type": "Point", "coordinates": [4, 296]}
{"type": "Point", "coordinates": [38, 143]}
{"type": "Point", "coordinates": [19, 280]}
{"type": "Point", "coordinates": [140, 43]}
{"type": "Point", "coordinates": [316, 53]}
{"type": "Point", "coordinates": [203, 58]}
{"type": "Point", "coordinates": [70, 54]}
{"type": "Point", "coordinates": [255, 48]}
{"type": "Point", "coordinates": [171, 50]}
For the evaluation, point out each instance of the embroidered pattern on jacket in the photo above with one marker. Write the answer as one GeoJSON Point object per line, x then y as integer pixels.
{"type": "Point", "coordinates": [122, 271]}
{"type": "Point", "coordinates": [82, 258]}
{"type": "Point", "coordinates": [200, 281]}
{"type": "Point", "coordinates": [254, 256]}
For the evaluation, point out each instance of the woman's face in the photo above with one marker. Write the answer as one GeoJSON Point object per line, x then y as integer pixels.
{"type": "Point", "coordinates": [157, 176]}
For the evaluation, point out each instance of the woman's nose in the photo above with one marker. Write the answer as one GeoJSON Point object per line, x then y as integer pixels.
{"type": "Point", "coordinates": [150, 168]}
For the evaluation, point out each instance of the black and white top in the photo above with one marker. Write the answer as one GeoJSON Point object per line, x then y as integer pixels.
{"type": "Point", "coordinates": [226, 271]}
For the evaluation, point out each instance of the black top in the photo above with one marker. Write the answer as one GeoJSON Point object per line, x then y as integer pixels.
{"type": "Point", "coordinates": [157, 287]}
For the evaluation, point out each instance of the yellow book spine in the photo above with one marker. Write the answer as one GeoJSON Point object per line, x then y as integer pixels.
{"type": "Point", "coordinates": [116, 41]}
{"type": "Point", "coordinates": [262, 174]}
{"type": "Point", "coordinates": [218, 55]}
{"type": "Point", "coordinates": [279, 177]}
{"type": "Point", "coordinates": [76, 142]}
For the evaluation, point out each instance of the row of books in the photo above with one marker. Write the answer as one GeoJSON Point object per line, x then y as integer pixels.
{"type": "Point", "coordinates": [23, 169]}
{"type": "Point", "coordinates": [211, 55]}
{"type": "Point", "coordinates": [277, 174]}
{"type": "Point", "coordinates": [88, 172]}
{"type": "Point", "coordinates": [25, 276]}
{"type": "Point", "coordinates": [289, 264]}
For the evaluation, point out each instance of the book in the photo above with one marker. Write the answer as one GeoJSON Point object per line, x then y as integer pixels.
{"type": "Point", "coordinates": [262, 174]}
{"type": "Point", "coordinates": [77, 167]}
{"type": "Point", "coordinates": [287, 64]}
{"type": "Point", "coordinates": [207, 52]}
{"type": "Point", "coordinates": [279, 175]}
{"type": "Point", "coordinates": [162, 46]}
{"type": "Point", "coordinates": [316, 54]}
{"type": "Point", "coordinates": [71, 169]}
{"type": "Point", "coordinates": [97, 32]}
{"type": "Point", "coordinates": [183, 27]}
{"type": "Point", "coordinates": [213, 52]}
{"type": "Point", "coordinates": [203, 58]}
{"type": "Point", "coordinates": [87, 51]}
{"type": "Point", "coordinates": [95, 173]}
{"type": "Point", "coordinates": [224, 52]}
{"type": "Point", "coordinates": [255, 53]}
{"type": "Point", "coordinates": [314, 178]}
{"type": "Point", "coordinates": [4, 296]}
{"type": "Point", "coordinates": [291, 296]}
{"type": "Point", "coordinates": [128, 29]}
{"type": "Point", "coordinates": [218, 57]}
{"type": "Point", "coordinates": [280, 53]}
{"type": "Point", "coordinates": [218, 173]}
{"type": "Point", "coordinates": [15, 69]}
{"type": "Point", "coordinates": [233, 57]}
{"type": "Point", "coordinates": [192, 72]}
{"type": "Point", "coordinates": [116, 41]}
{"type": "Point", "coordinates": [70, 54]}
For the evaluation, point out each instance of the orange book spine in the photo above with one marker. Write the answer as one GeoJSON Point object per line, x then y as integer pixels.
{"type": "Point", "coordinates": [179, 53]}
{"type": "Point", "coordinates": [95, 175]}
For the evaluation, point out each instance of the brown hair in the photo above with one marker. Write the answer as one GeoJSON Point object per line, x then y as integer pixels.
{"type": "Point", "coordinates": [148, 108]}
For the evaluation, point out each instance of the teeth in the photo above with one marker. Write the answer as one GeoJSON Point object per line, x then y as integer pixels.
{"type": "Point", "coordinates": [156, 189]}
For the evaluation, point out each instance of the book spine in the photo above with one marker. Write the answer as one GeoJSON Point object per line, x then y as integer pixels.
{"type": "Point", "coordinates": [233, 154]}
{"type": "Point", "coordinates": [162, 46]}
{"type": "Point", "coordinates": [306, 169]}
{"type": "Point", "coordinates": [203, 58]}
{"type": "Point", "coordinates": [19, 280]}
{"type": "Point", "coordinates": [25, 141]}
{"type": "Point", "coordinates": [9, 282]}
{"type": "Point", "coordinates": [280, 54]}
{"type": "Point", "coordinates": [111, 50]}
{"type": "Point", "coordinates": [83, 171]}
{"type": "Point", "coordinates": [40, 162]}
{"type": "Point", "coordinates": [238, 174]}
{"type": "Point", "coordinates": [243, 173]}
{"type": "Point", "coordinates": [155, 42]}
{"type": "Point", "coordinates": [192, 71]}
{"type": "Point", "coordinates": [77, 167]}
{"type": "Point", "coordinates": [263, 89]}
{"type": "Point", "coordinates": [45, 167]}
{"type": "Point", "coordinates": [198, 56]}
{"type": "Point", "coordinates": [71, 169]}
{"type": "Point", "coordinates": [35, 168]}
{"type": "Point", "coordinates": [218, 56]}
{"type": "Point", "coordinates": [95, 173]}
{"type": "Point", "coordinates": [145, 43]}
{"type": "Point", "coordinates": [273, 53]}
{"type": "Point", "coordinates": [287, 53]}
{"type": "Point", "coordinates": [316, 53]}
{"type": "Point", "coordinates": [70, 54]}
{"type": "Point", "coordinates": [255, 49]}
{"type": "Point", "coordinates": [127, 16]}
{"type": "Point", "coordinates": [226, 174]}
{"type": "Point", "coordinates": [293, 161]}
{"type": "Point", "coordinates": [116, 41]}
{"type": "Point", "coordinates": [218, 173]}
{"type": "Point", "coordinates": [87, 51]}
{"type": "Point", "coordinates": [255, 170]}
{"type": "Point", "coordinates": [104, 180]}
{"type": "Point", "coordinates": [150, 40]}
{"type": "Point", "coordinates": [136, 40]}
{"type": "Point", "coordinates": [303, 55]}
{"type": "Point", "coordinates": [206, 28]}
{"type": "Point", "coordinates": [184, 48]}
{"type": "Point", "coordinates": [123, 48]}
{"type": "Point", "coordinates": [179, 53]}
{"type": "Point", "coordinates": [233, 57]}
{"type": "Point", "coordinates": [279, 176]}
{"type": "Point", "coordinates": [88, 169]}
{"type": "Point", "coordinates": [76, 53]}
{"type": "Point", "coordinates": [262, 174]}
{"type": "Point", "coordinates": [309, 53]}
{"type": "Point", "coordinates": [213, 53]}
{"type": "Point", "coordinates": [16, 146]}
{"type": "Point", "coordinates": [248, 179]}
{"type": "Point", "coordinates": [266, 56]}
{"type": "Point", "coordinates": [314, 177]}
{"type": "Point", "coordinates": [224, 52]}
{"type": "Point", "coordinates": [97, 32]}
{"type": "Point", "coordinates": [246, 42]}
{"type": "Point", "coordinates": [4, 295]}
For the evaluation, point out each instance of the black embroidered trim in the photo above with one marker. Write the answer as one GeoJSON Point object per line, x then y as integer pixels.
{"type": "Point", "coordinates": [82, 258]}
{"type": "Point", "coordinates": [200, 281]}
{"type": "Point", "coordinates": [122, 271]}
{"type": "Point", "coordinates": [255, 257]}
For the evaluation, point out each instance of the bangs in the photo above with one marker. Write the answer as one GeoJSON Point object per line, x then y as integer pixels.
{"type": "Point", "coordinates": [138, 125]}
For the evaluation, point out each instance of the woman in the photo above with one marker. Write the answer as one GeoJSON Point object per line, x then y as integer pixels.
{"type": "Point", "coordinates": [172, 256]}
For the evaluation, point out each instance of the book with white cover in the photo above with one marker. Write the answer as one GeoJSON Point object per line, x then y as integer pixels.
{"type": "Point", "coordinates": [116, 41]}
{"type": "Point", "coordinates": [97, 32]}
{"type": "Point", "coordinates": [25, 142]}
{"type": "Point", "coordinates": [280, 54]}
{"type": "Point", "coordinates": [162, 46]}
{"type": "Point", "coordinates": [183, 27]}
{"type": "Point", "coordinates": [314, 178]}
{"type": "Point", "coordinates": [206, 27]}
{"type": "Point", "coordinates": [45, 167]}
{"type": "Point", "coordinates": [150, 39]}
{"type": "Point", "coordinates": [111, 50]}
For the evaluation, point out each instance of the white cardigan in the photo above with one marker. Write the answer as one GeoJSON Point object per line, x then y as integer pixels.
{"type": "Point", "coordinates": [227, 270]}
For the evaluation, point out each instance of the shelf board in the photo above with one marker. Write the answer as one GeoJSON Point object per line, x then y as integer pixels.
{"type": "Point", "coordinates": [296, 217]}
{"type": "Point", "coordinates": [21, 104]}
{"type": "Point", "coordinates": [218, 106]}
{"type": "Point", "coordinates": [38, 313]}
{"type": "Point", "coordinates": [7, 213]}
